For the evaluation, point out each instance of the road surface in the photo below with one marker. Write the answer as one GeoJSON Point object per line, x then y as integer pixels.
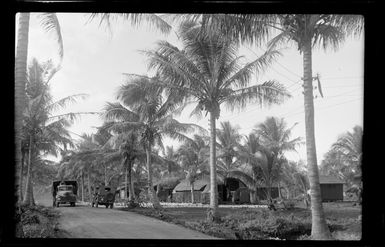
{"type": "Point", "coordinates": [88, 222]}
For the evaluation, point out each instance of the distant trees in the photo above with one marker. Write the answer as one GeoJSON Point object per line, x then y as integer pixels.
{"type": "Point", "coordinates": [193, 158]}
{"type": "Point", "coordinates": [344, 157]}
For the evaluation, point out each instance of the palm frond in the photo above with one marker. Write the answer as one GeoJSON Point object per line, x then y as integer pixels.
{"type": "Point", "coordinates": [242, 77]}
{"type": "Point", "coordinates": [62, 103]}
{"type": "Point", "coordinates": [136, 19]}
{"type": "Point", "coordinates": [50, 23]}
{"type": "Point", "coordinates": [117, 112]}
{"type": "Point", "coordinates": [266, 94]}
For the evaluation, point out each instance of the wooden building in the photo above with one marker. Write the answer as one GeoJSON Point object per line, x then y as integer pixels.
{"type": "Point", "coordinates": [332, 188]}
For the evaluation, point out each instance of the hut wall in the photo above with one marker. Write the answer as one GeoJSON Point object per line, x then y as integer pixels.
{"type": "Point", "coordinates": [185, 196]}
{"type": "Point", "coordinates": [332, 192]}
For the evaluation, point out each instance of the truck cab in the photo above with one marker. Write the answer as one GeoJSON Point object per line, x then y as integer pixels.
{"type": "Point", "coordinates": [64, 192]}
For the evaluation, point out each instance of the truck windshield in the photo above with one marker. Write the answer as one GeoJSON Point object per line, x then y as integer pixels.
{"type": "Point", "coordinates": [65, 188]}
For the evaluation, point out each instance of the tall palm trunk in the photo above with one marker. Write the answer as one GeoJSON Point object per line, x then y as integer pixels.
{"type": "Point", "coordinates": [20, 80]}
{"type": "Point", "coordinates": [213, 171]}
{"type": "Point", "coordinates": [82, 177]}
{"type": "Point", "coordinates": [125, 182]}
{"type": "Point", "coordinates": [192, 192]}
{"type": "Point", "coordinates": [130, 188]}
{"type": "Point", "coordinates": [132, 185]}
{"type": "Point", "coordinates": [319, 227]}
{"type": "Point", "coordinates": [21, 176]}
{"type": "Point", "coordinates": [89, 185]}
{"type": "Point", "coordinates": [28, 197]}
{"type": "Point", "coordinates": [151, 191]}
{"type": "Point", "coordinates": [105, 175]}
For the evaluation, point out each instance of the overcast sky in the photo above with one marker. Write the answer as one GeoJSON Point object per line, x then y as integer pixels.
{"type": "Point", "coordinates": [94, 61]}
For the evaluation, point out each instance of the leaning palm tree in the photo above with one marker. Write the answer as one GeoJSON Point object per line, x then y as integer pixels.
{"type": "Point", "coordinates": [50, 22]}
{"type": "Point", "coordinates": [209, 71]}
{"type": "Point", "coordinates": [150, 114]}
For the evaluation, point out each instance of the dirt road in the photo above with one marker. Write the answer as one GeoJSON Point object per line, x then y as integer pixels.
{"type": "Point", "coordinates": [87, 222]}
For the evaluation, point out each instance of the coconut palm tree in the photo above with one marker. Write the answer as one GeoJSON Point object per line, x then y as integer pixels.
{"type": "Point", "coordinates": [170, 161]}
{"type": "Point", "coordinates": [50, 23]}
{"type": "Point", "coordinates": [46, 133]}
{"type": "Point", "coordinates": [275, 136]}
{"type": "Point", "coordinates": [349, 146]}
{"type": "Point", "coordinates": [307, 31]}
{"type": "Point", "coordinates": [150, 115]}
{"type": "Point", "coordinates": [193, 158]}
{"type": "Point", "coordinates": [227, 144]}
{"type": "Point", "coordinates": [209, 71]}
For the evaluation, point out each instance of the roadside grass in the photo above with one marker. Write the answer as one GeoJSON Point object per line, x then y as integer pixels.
{"type": "Point", "coordinates": [260, 223]}
{"type": "Point", "coordinates": [39, 222]}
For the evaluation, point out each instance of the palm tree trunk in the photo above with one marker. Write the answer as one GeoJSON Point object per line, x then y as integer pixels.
{"type": "Point", "coordinates": [192, 192]}
{"type": "Point", "coordinates": [20, 80]}
{"type": "Point", "coordinates": [89, 185]}
{"type": "Point", "coordinates": [28, 197]}
{"type": "Point", "coordinates": [130, 189]}
{"type": "Point", "coordinates": [82, 176]}
{"type": "Point", "coordinates": [320, 229]}
{"type": "Point", "coordinates": [132, 185]}
{"type": "Point", "coordinates": [126, 182]}
{"type": "Point", "coordinates": [105, 175]}
{"type": "Point", "coordinates": [151, 192]}
{"type": "Point", "coordinates": [213, 171]}
{"type": "Point", "coordinates": [21, 176]}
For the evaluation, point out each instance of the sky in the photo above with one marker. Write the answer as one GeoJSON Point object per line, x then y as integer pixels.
{"type": "Point", "coordinates": [95, 60]}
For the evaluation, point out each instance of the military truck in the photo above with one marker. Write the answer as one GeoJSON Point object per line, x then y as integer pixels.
{"type": "Point", "coordinates": [104, 195]}
{"type": "Point", "coordinates": [64, 192]}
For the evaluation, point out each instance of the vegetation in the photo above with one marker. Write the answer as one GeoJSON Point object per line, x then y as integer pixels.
{"type": "Point", "coordinates": [261, 224]}
{"type": "Point", "coordinates": [207, 72]}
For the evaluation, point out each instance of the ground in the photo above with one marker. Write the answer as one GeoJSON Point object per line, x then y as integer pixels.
{"type": "Point", "coordinates": [237, 222]}
{"type": "Point", "coordinates": [246, 223]}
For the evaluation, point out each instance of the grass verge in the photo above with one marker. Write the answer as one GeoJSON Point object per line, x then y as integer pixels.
{"type": "Point", "coordinates": [258, 223]}
{"type": "Point", "coordinates": [38, 222]}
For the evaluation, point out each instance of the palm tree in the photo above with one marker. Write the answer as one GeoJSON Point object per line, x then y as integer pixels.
{"type": "Point", "coordinates": [349, 146]}
{"type": "Point", "coordinates": [50, 23]}
{"type": "Point", "coordinates": [228, 142]}
{"type": "Point", "coordinates": [307, 31]}
{"type": "Point", "coordinates": [275, 136]}
{"type": "Point", "coordinates": [170, 157]}
{"type": "Point", "coordinates": [193, 159]}
{"type": "Point", "coordinates": [45, 132]}
{"type": "Point", "coordinates": [150, 114]}
{"type": "Point", "coordinates": [209, 71]}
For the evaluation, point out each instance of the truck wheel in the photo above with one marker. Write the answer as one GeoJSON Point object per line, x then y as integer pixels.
{"type": "Point", "coordinates": [112, 205]}
{"type": "Point", "coordinates": [106, 205]}
{"type": "Point", "coordinates": [72, 204]}
{"type": "Point", "coordinates": [92, 204]}
{"type": "Point", "coordinates": [97, 204]}
{"type": "Point", "coordinates": [57, 204]}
